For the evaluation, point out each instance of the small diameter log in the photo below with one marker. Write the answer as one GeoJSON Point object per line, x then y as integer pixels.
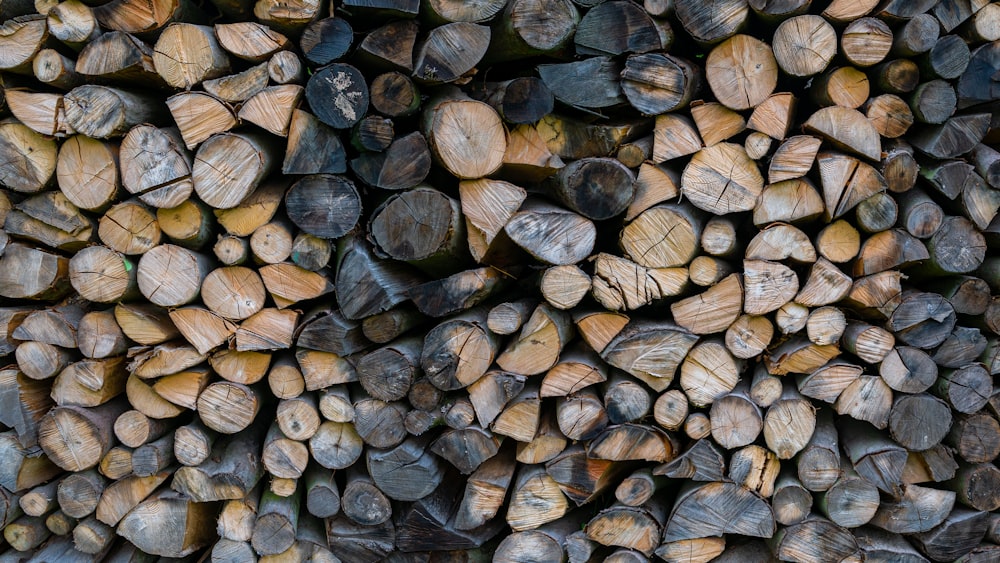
{"type": "Point", "coordinates": [387, 373]}
{"type": "Point", "coordinates": [322, 493]}
{"type": "Point", "coordinates": [787, 439]}
{"type": "Point", "coordinates": [597, 188]}
{"type": "Point", "coordinates": [916, 36]}
{"type": "Point", "coordinates": [851, 501]}
{"type": "Point", "coordinates": [735, 420]}
{"type": "Point", "coordinates": [193, 443]}
{"type": "Point", "coordinates": [791, 502]}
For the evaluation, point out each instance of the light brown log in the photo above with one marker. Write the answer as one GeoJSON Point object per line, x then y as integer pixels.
{"type": "Point", "coordinates": [866, 41]}
{"type": "Point", "coordinates": [76, 438]}
{"type": "Point", "coordinates": [228, 167]}
{"type": "Point", "coordinates": [252, 41]}
{"type": "Point", "coordinates": [228, 407]}
{"type": "Point", "coordinates": [674, 136]}
{"type": "Point", "coordinates": [271, 109]}
{"type": "Point", "coordinates": [22, 36]}
{"type": "Point", "coordinates": [238, 87]}
{"type": "Point", "coordinates": [199, 115]}
{"type": "Point", "coordinates": [203, 329]}
{"type": "Point", "coordinates": [742, 72]}
{"type": "Point", "coordinates": [466, 136]}
{"type": "Point", "coordinates": [130, 228]}
{"type": "Point", "coordinates": [804, 45]}
{"type": "Point", "coordinates": [620, 284]}
{"type": "Point", "coordinates": [735, 420]}
{"type": "Point", "coordinates": [776, 203]}
{"type": "Point", "coordinates": [773, 116]}
{"type": "Point", "coordinates": [722, 179]}
{"type": "Point", "coordinates": [716, 122]}
{"type": "Point", "coordinates": [748, 336]}
{"type": "Point", "coordinates": [29, 158]}
{"type": "Point", "coordinates": [187, 54]}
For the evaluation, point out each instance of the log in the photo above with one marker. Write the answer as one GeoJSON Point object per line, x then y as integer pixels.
{"type": "Point", "coordinates": [916, 36]}
{"type": "Point", "coordinates": [794, 35]}
{"type": "Point", "coordinates": [466, 136]}
{"type": "Point", "coordinates": [437, 58]}
{"type": "Point", "coordinates": [722, 179]}
{"type": "Point", "coordinates": [742, 72]}
{"type": "Point", "coordinates": [186, 526]}
{"type": "Point", "coordinates": [814, 538]}
{"type": "Point", "coordinates": [711, 25]}
{"type": "Point", "coordinates": [746, 513]}
{"type": "Point", "coordinates": [217, 160]}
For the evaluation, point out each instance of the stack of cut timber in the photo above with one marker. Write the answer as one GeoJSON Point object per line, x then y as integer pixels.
{"type": "Point", "coordinates": [529, 280]}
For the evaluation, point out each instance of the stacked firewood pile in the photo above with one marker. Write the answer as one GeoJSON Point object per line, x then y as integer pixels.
{"type": "Point", "coordinates": [530, 280]}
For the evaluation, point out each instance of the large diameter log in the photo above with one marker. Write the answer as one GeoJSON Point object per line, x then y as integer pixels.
{"type": "Point", "coordinates": [466, 136]}
{"type": "Point", "coordinates": [722, 179]}
{"type": "Point", "coordinates": [338, 95]}
{"type": "Point", "coordinates": [28, 273]}
{"type": "Point", "coordinates": [804, 45]}
{"type": "Point", "coordinates": [735, 510]}
{"type": "Point", "coordinates": [103, 112]}
{"type": "Point", "coordinates": [229, 166]}
{"type": "Point", "coordinates": [170, 275]}
{"type": "Point", "coordinates": [187, 54]}
{"type": "Point", "coordinates": [711, 24]}
{"type": "Point", "coordinates": [742, 72]}
{"type": "Point", "coordinates": [76, 438]}
{"type": "Point", "coordinates": [170, 525]}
